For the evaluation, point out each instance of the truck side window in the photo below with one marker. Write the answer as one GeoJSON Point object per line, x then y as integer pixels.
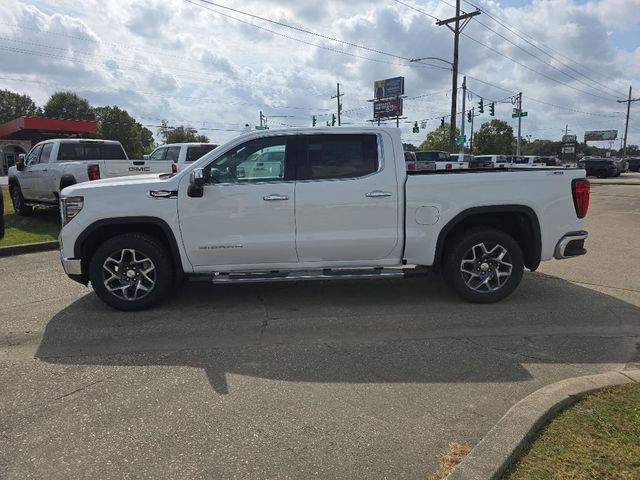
{"type": "Point", "coordinates": [259, 160]}
{"type": "Point", "coordinates": [33, 156]}
{"type": "Point", "coordinates": [338, 156]}
{"type": "Point", "coordinates": [46, 152]}
{"type": "Point", "coordinates": [173, 153]}
{"type": "Point", "coordinates": [159, 154]}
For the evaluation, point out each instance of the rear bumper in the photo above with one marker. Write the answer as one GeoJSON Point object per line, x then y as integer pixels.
{"type": "Point", "coordinates": [571, 245]}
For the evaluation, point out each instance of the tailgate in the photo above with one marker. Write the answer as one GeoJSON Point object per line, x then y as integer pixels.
{"type": "Point", "coordinates": [121, 168]}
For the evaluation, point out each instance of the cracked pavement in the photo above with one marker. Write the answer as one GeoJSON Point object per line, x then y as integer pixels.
{"type": "Point", "coordinates": [349, 379]}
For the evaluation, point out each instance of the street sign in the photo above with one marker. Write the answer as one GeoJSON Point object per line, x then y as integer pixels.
{"type": "Point", "coordinates": [569, 138]}
{"type": "Point", "coordinates": [461, 139]}
{"type": "Point", "coordinates": [391, 107]}
{"type": "Point", "coordinates": [568, 149]}
{"type": "Point", "coordinates": [519, 114]}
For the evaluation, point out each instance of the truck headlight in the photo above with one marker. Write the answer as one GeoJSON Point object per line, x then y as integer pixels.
{"type": "Point", "coordinates": [70, 207]}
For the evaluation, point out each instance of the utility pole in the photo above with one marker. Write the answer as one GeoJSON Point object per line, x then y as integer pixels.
{"type": "Point", "coordinates": [458, 27]}
{"type": "Point", "coordinates": [519, 144]}
{"type": "Point", "coordinates": [566, 132]}
{"type": "Point", "coordinates": [626, 125]}
{"type": "Point", "coordinates": [263, 121]}
{"type": "Point", "coordinates": [464, 98]}
{"type": "Point", "coordinates": [337, 96]}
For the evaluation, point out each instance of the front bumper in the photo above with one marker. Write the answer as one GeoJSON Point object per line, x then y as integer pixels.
{"type": "Point", "coordinates": [73, 268]}
{"type": "Point", "coordinates": [571, 245]}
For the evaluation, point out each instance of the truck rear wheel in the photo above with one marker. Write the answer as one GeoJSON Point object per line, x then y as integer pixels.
{"type": "Point", "coordinates": [483, 265]}
{"type": "Point", "coordinates": [131, 272]}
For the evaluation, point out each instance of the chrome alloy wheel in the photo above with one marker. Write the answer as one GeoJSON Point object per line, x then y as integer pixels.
{"type": "Point", "coordinates": [486, 267]}
{"type": "Point", "coordinates": [129, 274]}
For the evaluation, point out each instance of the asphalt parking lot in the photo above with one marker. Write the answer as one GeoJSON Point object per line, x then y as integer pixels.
{"type": "Point", "coordinates": [357, 379]}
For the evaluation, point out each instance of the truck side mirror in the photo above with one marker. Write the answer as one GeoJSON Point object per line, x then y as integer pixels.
{"type": "Point", "coordinates": [20, 162]}
{"type": "Point", "coordinates": [145, 157]}
{"type": "Point", "coordinates": [196, 183]}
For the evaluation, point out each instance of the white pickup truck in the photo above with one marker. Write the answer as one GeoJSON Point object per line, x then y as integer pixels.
{"type": "Point", "coordinates": [180, 154]}
{"type": "Point", "coordinates": [52, 165]}
{"type": "Point", "coordinates": [338, 204]}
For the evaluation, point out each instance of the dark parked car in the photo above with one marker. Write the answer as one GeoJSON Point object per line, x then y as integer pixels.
{"type": "Point", "coordinates": [634, 164]}
{"type": "Point", "coordinates": [599, 167]}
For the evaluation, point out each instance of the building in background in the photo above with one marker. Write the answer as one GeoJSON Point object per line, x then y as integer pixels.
{"type": "Point", "coordinates": [19, 135]}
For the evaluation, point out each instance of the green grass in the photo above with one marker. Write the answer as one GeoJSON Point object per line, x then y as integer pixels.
{"type": "Point", "coordinates": [597, 438]}
{"type": "Point", "coordinates": [42, 226]}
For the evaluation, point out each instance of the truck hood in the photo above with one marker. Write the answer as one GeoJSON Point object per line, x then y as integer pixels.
{"type": "Point", "coordinates": [152, 180]}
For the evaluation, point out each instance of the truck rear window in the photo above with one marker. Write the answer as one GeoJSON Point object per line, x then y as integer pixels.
{"type": "Point", "coordinates": [194, 153]}
{"type": "Point", "coordinates": [90, 151]}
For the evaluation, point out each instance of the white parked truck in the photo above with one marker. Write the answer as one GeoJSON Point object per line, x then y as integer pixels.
{"type": "Point", "coordinates": [180, 154]}
{"type": "Point", "coordinates": [52, 165]}
{"type": "Point", "coordinates": [330, 203]}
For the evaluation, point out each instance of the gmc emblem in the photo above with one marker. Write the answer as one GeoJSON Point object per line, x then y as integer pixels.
{"type": "Point", "coordinates": [139, 169]}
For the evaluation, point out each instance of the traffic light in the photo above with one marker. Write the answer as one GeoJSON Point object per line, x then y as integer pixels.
{"type": "Point", "coordinates": [442, 122]}
{"type": "Point", "coordinates": [492, 109]}
{"type": "Point", "coordinates": [314, 120]}
{"type": "Point", "coordinates": [333, 119]}
{"type": "Point", "coordinates": [416, 129]}
{"type": "Point", "coordinates": [481, 105]}
{"type": "Point", "coordinates": [469, 116]}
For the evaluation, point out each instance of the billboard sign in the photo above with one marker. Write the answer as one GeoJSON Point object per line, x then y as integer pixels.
{"type": "Point", "coordinates": [568, 149]}
{"type": "Point", "coordinates": [569, 138]}
{"type": "Point", "coordinates": [600, 135]}
{"type": "Point", "coordinates": [391, 87]}
{"type": "Point", "coordinates": [391, 107]}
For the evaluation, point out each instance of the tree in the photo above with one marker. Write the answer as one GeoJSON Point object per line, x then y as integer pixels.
{"type": "Point", "coordinates": [14, 105]}
{"type": "Point", "coordinates": [68, 105]}
{"type": "Point", "coordinates": [542, 147]}
{"type": "Point", "coordinates": [494, 138]}
{"type": "Point", "coordinates": [183, 135]}
{"type": "Point", "coordinates": [409, 147]}
{"type": "Point", "coordinates": [116, 124]}
{"type": "Point", "coordinates": [438, 139]}
{"type": "Point", "coordinates": [633, 150]}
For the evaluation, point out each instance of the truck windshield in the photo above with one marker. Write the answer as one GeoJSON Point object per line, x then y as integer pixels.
{"type": "Point", "coordinates": [90, 151]}
{"type": "Point", "coordinates": [194, 153]}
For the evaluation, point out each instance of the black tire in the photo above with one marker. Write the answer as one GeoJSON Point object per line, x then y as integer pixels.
{"type": "Point", "coordinates": [1, 213]}
{"type": "Point", "coordinates": [18, 201]}
{"type": "Point", "coordinates": [466, 248]}
{"type": "Point", "coordinates": [156, 282]}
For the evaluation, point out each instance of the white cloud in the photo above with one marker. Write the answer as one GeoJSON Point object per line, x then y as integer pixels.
{"type": "Point", "coordinates": [171, 59]}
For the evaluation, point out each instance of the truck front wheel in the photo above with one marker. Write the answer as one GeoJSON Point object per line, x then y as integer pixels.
{"type": "Point", "coordinates": [131, 272]}
{"type": "Point", "coordinates": [18, 201]}
{"type": "Point", "coordinates": [483, 265]}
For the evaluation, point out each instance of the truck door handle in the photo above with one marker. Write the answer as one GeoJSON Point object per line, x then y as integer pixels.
{"type": "Point", "coordinates": [274, 197]}
{"type": "Point", "coordinates": [138, 162]}
{"type": "Point", "coordinates": [378, 193]}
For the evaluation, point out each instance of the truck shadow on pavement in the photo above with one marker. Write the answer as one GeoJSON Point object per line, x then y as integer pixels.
{"type": "Point", "coordinates": [378, 331]}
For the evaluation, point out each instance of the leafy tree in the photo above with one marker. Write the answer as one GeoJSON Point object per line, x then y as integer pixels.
{"type": "Point", "coordinates": [14, 105]}
{"type": "Point", "coordinates": [633, 150]}
{"type": "Point", "coordinates": [542, 147]}
{"type": "Point", "coordinates": [68, 105]}
{"type": "Point", "coordinates": [183, 135]}
{"type": "Point", "coordinates": [116, 124]}
{"type": "Point", "coordinates": [494, 138]}
{"type": "Point", "coordinates": [409, 147]}
{"type": "Point", "coordinates": [438, 139]}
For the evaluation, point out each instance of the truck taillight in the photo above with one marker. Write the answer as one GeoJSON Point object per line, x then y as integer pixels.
{"type": "Point", "coordinates": [580, 189]}
{"type": "Point", "coordinates": [174, 168]}
{"type": "Point", "coordinates": [448, 166]}
{"type": "Point", "coordinates": [93, 171]}
{"type": "Point", "coordinates": [411, 167]}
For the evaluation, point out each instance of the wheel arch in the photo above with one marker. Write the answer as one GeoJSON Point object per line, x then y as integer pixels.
{"type": "Point", "coordinates": [519, 221]}
{"type": "Point", "coordinates": [102, 230]}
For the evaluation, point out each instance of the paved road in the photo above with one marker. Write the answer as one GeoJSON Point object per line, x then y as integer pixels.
{"type": "Point", "coordinates": [367, 379]}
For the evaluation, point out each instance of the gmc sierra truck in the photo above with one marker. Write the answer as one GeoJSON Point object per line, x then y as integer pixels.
{"type": "Point", "coordinates": [330, 203]}
{"type": "Point", "coordinates": [52, 165]}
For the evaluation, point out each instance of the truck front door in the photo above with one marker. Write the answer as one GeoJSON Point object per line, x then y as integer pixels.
{"type": "Point", "coordinates": [246, 216]}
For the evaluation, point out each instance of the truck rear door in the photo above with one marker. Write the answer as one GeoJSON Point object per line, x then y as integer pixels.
{"type": "Point", "coordinates": [347, 198]}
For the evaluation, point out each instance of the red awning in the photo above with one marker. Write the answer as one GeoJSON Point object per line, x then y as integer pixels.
{"type": "Point", "coordinates": [44, 124]}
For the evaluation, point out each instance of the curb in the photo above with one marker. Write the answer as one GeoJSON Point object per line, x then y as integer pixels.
{"type": "Point", "coordinates": [501, 446]}
{"type": "Point", "coordinates": [28, 248]}
{"type": "Point", "coordinates": [613, 182]}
